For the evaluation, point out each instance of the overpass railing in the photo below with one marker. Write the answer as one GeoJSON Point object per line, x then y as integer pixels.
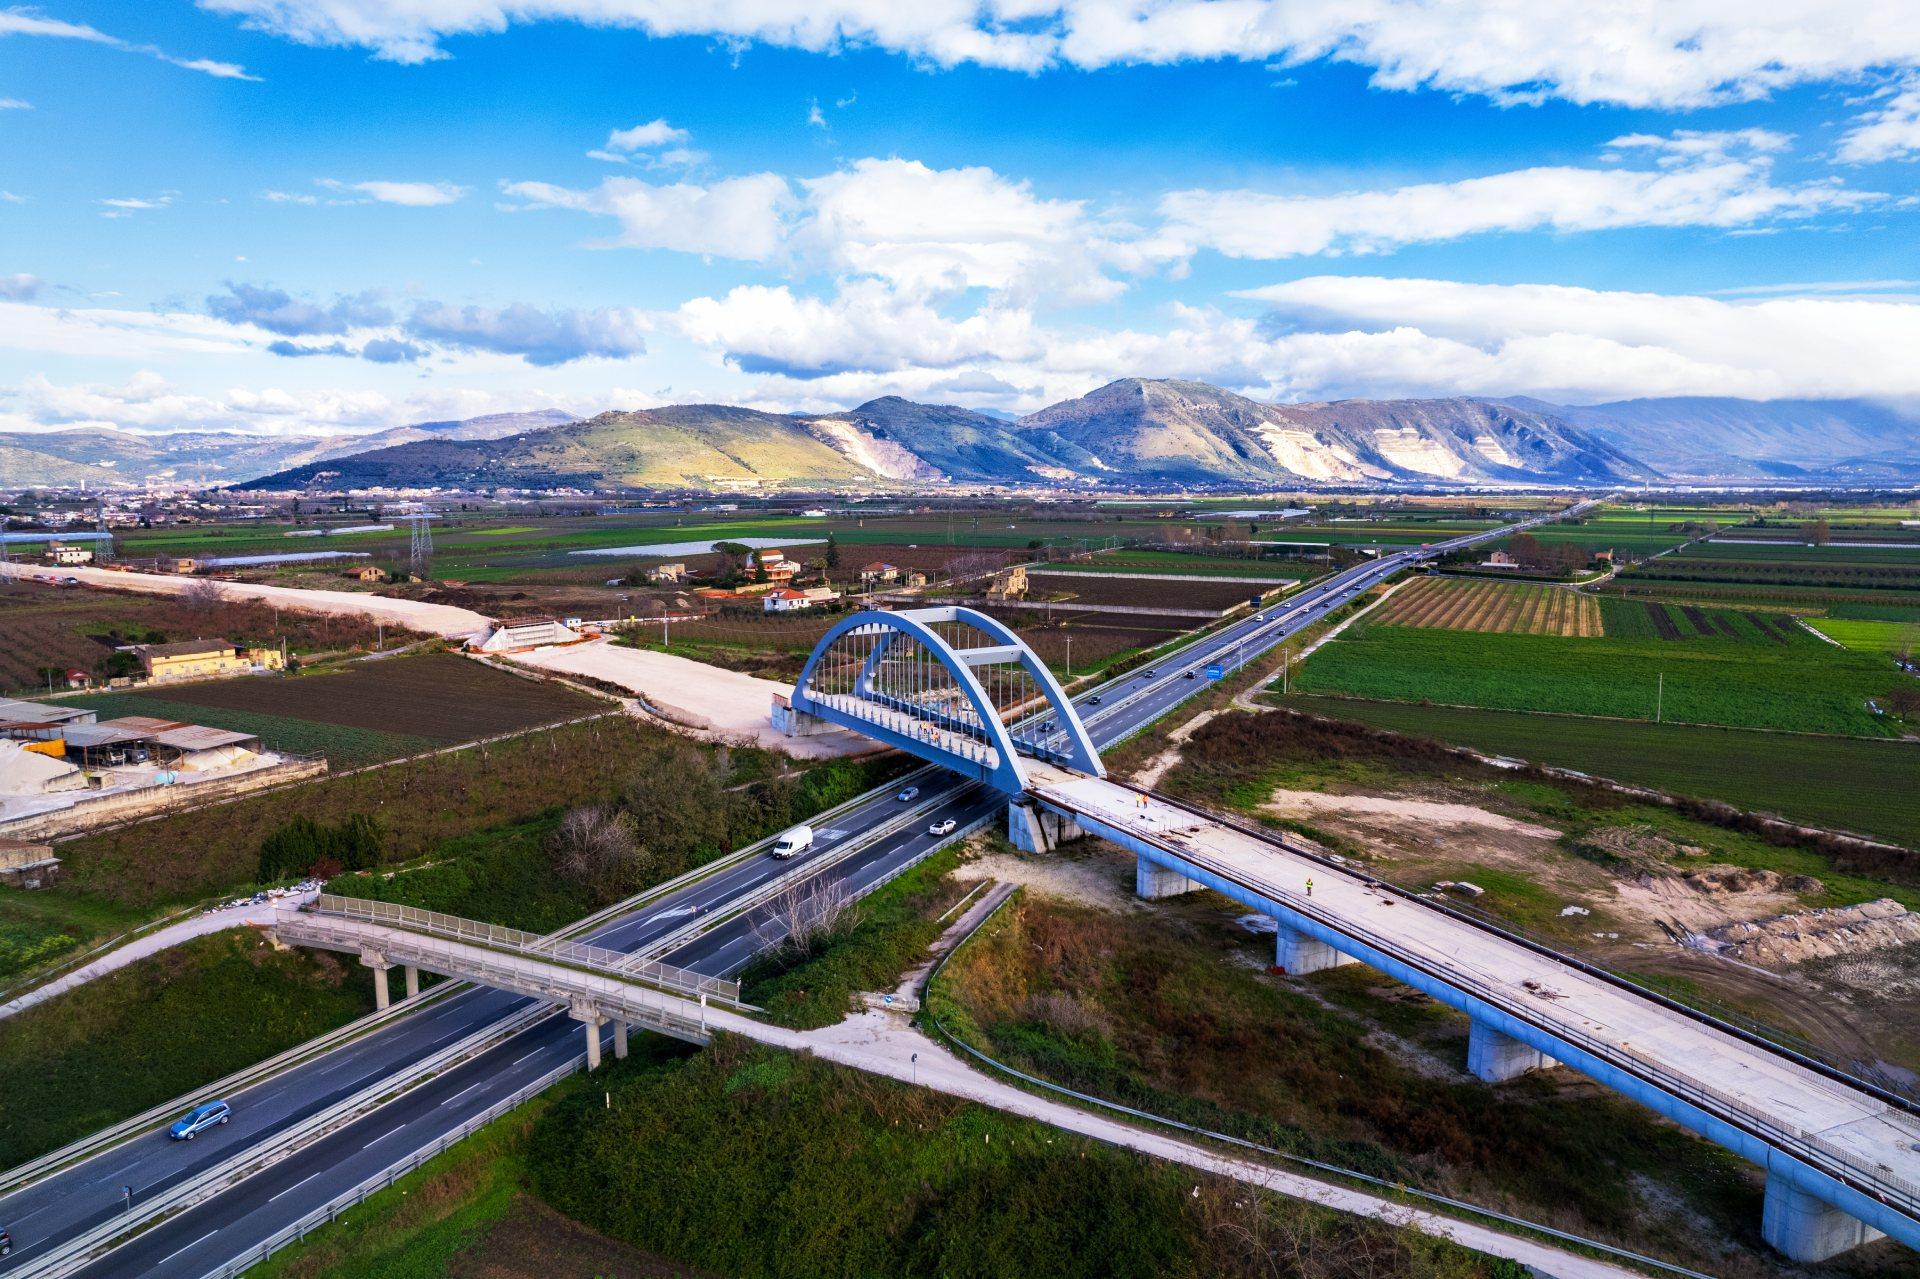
{"type": "Point", "coordinates": [499, 937]}
{"type": "Point", "coordinates": [1876, 1181]}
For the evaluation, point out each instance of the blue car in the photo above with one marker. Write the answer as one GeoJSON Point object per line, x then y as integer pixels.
{"type": "Point", "coordinates": [199, 1119]}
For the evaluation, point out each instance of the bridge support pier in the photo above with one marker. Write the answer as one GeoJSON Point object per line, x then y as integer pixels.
{"type": "Point", "coordinates": [619, 1040]}
{"type": "Point", "coordinates": [412, 975]}
{"type": "Point", "coordinates": [1496, 1058]}
{"type": "Point", "coordinates": [1033, 829]}
{"type": "Point", "coordinates": [1805, 1229]}
{"type": "Point", "coordinates": [382, 996]}
{"type": "Point", "coordinates": [589, 1016]}
{"type": "Point", "coordinates": [1297, 954]}
{"type": "Point", "coordinates": [1151, 880]}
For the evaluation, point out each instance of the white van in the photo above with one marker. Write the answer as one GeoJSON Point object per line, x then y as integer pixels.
{"type": "Point", "coordinates": [794, 842]}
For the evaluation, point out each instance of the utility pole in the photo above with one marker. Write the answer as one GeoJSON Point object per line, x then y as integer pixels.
{"type": "Point", "coordinates": [1286, 667]}
{"type": "Point", "coordinates": [1069, 657]}
{"type": "Point", "coordinates": [1659, 696]}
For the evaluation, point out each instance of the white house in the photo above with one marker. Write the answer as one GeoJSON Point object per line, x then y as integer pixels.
{"type": "Point", "coordinates": [784, 599]}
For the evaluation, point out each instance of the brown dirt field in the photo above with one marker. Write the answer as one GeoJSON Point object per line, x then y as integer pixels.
{"type": "Point", "coordinates": [1516, 608]}
{"type": "Point", "coordinates": [438, 696]}
{"type": "Point", "coordinates": [44, 625]}
{"type": "Point", "coordinates": [532, 1241]}
{"type": "Point", "coordinates": [1141, 592]}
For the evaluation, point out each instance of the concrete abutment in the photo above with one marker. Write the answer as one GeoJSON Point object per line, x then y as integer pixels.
{"type": "Point", "coordinates": [1033, 829]}
{"type": "Point", "coordinates": [1297, 954]}
{"type": "Point", "coordinates": [1496, 1058]}
{"type": "Point", "coordinates": [1804, 1228]}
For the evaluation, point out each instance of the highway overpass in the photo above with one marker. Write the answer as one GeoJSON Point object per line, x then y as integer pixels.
{"type": "Point", "coordinates": [477, 1048]}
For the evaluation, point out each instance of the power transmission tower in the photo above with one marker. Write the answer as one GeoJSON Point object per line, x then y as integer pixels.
{"type": "Point", "coordinates": [420, 548]}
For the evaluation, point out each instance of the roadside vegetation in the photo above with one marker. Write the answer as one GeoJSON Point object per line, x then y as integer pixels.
{"type": "Point", "coordinates": [160, 1027]}
{"type": "Point", "coordinates": [1176, 1015]}
{"type": "Point", "coordinates": [843, 948]}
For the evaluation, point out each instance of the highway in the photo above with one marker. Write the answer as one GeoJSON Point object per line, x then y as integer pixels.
{"type": "Point", "coordinates": [192, 1243]}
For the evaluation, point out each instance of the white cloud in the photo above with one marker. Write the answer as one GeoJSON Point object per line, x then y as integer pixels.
{"type": "Point", "coordinates": [1703, 179]}
{"type": "Point", "coordinates": [15, 104]}
{"type": "Point", "coordinates": [1675, 53]}
{"type": "Point", "coordinates": [1556, 340]}
{"type": "Point", "coordinates": [8, 197]}
{"type": "Point", "coordinates": [645, 137]}
{"type": "Point", "coordinates": [20, 287]}
{"type": "Point", "coordinates": [30, 22]}
{"type": "Point", "coordinates": [1891, 131]}
{"type": "Point", "coordinates": [289, 197]}
{"type": "Point", "coordinates": [739, 218]}
{"type": "Point", "coordinates": [126, 206]}
{"type": "Point", "coordinates": [414, 195]}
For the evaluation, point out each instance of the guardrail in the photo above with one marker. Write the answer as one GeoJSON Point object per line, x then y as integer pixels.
{"type": "Point", "coordinates": [1878, 1183]}
{"type": "Point", "coordinates": [321, 1216]}
{"type": "Point", "coordinates": [497, 936]}
{"type": "Point", "coordinates": [107, 1138]}
{"type": "Point", "coordinates": [81, 1250]}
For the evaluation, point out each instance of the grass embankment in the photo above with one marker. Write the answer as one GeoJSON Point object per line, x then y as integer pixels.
{"type": "Point", "coordinates": [158, 1028]}
{"type": "Point", "coordinates": [1822, 781]}
{"type": "Point", "coordinates": [1677, 667]}
{"type": "Point", "coordinates": [1237, 762]}
{"type": "Point", "coordinates": [1171, 1017]}
{"type": "Point", "coordinates": [751, 1163]}
{"type": "Point", "coordinates": [884, 935]}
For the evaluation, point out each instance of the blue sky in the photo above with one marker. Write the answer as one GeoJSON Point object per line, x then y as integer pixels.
{"type": "Point", "coordinates": [300, 215]}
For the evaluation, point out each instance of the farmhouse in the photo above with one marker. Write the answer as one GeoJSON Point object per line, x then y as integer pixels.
{"type": "Point", "coordinates": [667, 574]}
{"type": "Point", "coordinates": [1011, 585]}
{"type": "Point", "coordinates": [878, 571]}
{"type": "Point", "coordinates": [1500, 559]}
{"type": "Point", "coordinates": [68, 553]}
{"type": "Point", "coordinates": [198, 659]}
{"type": "Point", "coordinates": [368, 573]}
{"type": "Point", "coordinates": [784, 599]}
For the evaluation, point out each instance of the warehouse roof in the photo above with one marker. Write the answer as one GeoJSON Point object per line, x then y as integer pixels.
{"type": "Point", "coordinates": [187, 648]}
{"type": "Point", "coordinates": [199, 737]}
{"type": "Point", "coordinates": [29, 713]}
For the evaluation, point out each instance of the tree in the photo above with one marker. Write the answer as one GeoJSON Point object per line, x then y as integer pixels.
{"type": "Point", "coordinates": [203, 597]}
{"type": "Point", "coordinates": [676, 796]}
{"type": "Point", "coordinates": [1903, 699]}
{"type": "Point", "coordinates": [1819, 533]}
{"type": "Point", "coordinates": [833, 551]}
{"type": "Point", "coordinates": [594, 848]}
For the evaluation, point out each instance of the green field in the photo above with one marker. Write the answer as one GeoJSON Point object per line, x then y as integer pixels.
{"type": "Point", "coordinates": [1744, 681]}
{"type": "Point", "coordinates": [1871, 637]}
{"type": "Point", "coordinates": [1870, 787]}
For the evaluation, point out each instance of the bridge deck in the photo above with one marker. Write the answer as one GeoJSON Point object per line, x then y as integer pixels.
{"type": "Point", "coordinates": [1807, 1112]}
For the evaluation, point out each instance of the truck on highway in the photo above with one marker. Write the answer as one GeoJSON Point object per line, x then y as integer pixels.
{"type": "Point", "coordinates": [793, 843]}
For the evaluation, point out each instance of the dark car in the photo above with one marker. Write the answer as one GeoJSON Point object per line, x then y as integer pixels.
{"type": "Point", "coordinates": [1193, 675]}
{"type": "Point", "coordinates": [6, 1242]}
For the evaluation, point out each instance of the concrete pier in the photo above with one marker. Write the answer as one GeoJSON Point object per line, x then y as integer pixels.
{"type": "Point", "coordinates": [1297, 954]}
{"type": "Point", "coordinates": [590, 1017]}
{"type": "Point", "coordinates": [1151, 880]}
{"type": "Point", "coordinates": [619, 1040]}
{"type": "Point", "coordinates": [1799, 1226]}
{"type": "Point", "coordinates": [382, 996]}
{"type": "Point", "coordinates": [1497, 1058]}
{"type": "Point", "coordinates": [1033, 829]}
{"type": "Point", "coordinates": [412, 975]}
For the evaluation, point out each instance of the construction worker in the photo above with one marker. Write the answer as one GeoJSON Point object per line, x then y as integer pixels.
{"type": "Point", "coordinates": [1309, 886]}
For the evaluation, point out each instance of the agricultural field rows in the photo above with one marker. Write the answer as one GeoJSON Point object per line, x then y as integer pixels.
{"type": "Point", "coordinates": [1500, 607]}
{"type": "Point", "coordinates": [370, 711]}
{"type": "Point", "coordinates": [1143, 592]}
{"type": "Point", "coordinates": [1871, 636]}
{"type": "Point", "coordinates": [1713, 668]}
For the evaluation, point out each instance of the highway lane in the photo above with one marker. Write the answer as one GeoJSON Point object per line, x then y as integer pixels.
{"type": "Point", "coordinates": [67, 1204]}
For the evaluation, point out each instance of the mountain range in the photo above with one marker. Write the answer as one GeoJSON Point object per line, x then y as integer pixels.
{"type": "Point", "coordinates": [1132, 433]}
{"type": "Point", "coordinates": [103, 458]}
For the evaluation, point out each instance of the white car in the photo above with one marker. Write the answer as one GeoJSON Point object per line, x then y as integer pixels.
{"type": "Point", "coordinates": [946, 827]}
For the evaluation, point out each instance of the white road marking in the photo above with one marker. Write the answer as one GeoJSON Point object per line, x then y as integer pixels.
{"type": "Point", "coordinates": [177, 1251]}
{"type": "Point", "coordinates": [296, 1185]}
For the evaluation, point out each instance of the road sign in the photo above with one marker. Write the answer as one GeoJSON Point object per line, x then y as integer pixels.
{"type": "Point", "coordinates": [1216, 671]}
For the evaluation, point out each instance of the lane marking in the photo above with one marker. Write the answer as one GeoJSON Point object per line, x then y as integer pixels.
{"type": "Point", "coordinates": [296, 1185]}
{"type": "Point", "coordinates": [177, 1251]}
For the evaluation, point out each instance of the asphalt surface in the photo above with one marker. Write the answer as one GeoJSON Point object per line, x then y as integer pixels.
{"type": "Point", "coordinates": [189, 1245]}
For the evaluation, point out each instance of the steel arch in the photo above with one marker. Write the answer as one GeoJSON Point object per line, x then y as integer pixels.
{"type": "Point", "coordinates": [1006, 772]}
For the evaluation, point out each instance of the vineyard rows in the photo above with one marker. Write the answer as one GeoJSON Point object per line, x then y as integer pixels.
{"type": "Point", "coordinates": [1435, 603]}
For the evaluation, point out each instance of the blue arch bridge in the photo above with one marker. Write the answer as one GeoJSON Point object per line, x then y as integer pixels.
{"type": "Point", "coordinates": [954, 686]}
